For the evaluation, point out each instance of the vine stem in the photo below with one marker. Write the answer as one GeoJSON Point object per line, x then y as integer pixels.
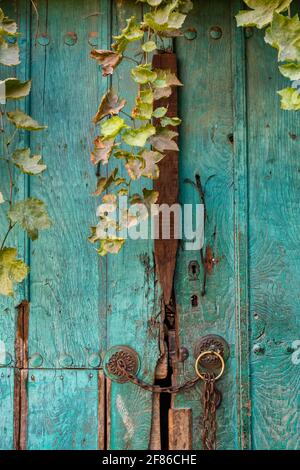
{"type": "Point", "coordinates": [10, 228]}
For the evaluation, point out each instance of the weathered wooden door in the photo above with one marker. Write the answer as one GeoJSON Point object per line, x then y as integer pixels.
{"type": "Point", "coordinates": [240, 154]}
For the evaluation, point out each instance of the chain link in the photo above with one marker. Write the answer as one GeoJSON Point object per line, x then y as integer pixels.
{"type": "Point", "coordinates": [209, 429]}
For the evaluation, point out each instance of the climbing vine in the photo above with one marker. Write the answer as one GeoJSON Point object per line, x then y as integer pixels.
{"type": "Point", "coordinates": [29, 214]}
{"type": "Point", "coordinates": [282, 31]}
{"type": "Point", "coordinates": [141, 146]}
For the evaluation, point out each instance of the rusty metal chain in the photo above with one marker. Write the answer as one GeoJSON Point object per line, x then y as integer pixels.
{"type": "Point", "coordinates": [209, 422]}
{"type": "Point", "coordinates": [156, 388]}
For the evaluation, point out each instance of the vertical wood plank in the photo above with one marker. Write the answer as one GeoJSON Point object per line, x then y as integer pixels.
{"type": "Point", "coordinates": [6, 408]}
{"type": "Point", "coordinates": [206, 156]}
{"type": "Point", "coordinates": [274, 261]}
{"type": "Point", "coordinates": [132, 298]}
{"type": "Point", "coordinates": [67, 288]}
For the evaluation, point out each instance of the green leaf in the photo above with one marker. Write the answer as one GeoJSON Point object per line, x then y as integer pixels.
{"type": "Point", "coordinates": [29, 165]}
{"type": "Point", "coordinates": [146, 96]}
{"type": "Point", "coordinates": [138, 137]}
{"type": "Point", "coordinates": [176, 20]}
{"type": "Point", "coordinates": [284, 35]}
{"type": "Point", "coordinates": [167, 121]}
{"type": "Point", "coordinates": [160, 112]}
{"type": "Point", "coordinates": [110, 105]}
{"type": "Point", "coordinates": [12, 270]}
{"type": "Point", "coordinates": [143, 74]}
{"type": "Point", "coordinates": [102, 150]}
{"type": "Point", "coordinates": [23, 121]}
{"type": "Point", "coordinates": [31, 215]}
{"type": "Point", "coordinates": [15, 89]}
{"type": "Point", "coordinates": [110, 245]}
{"type": "Point", "coordinates": [8, 27]}
{"type": "Point", "coordinates": [151, 159]}
{"type": "Point", "coordinates": [153, 3]}
{"type": "Point", "coordinates": [104, 183]}
{"type": "Point", "coordinates": [142, 111]}
{"type": "Point", "coordinates": [134, 166]}
{"type": "Point", "coordinates": [291, 71]}
{"type": "Point", "coordinates": [290, 99]}
{"type": "Point", "coordinates": [149, 46]}
{"type": "Point", "coordinates": [163, 140]}
{"type": "Point", "coordinates": [262, 12]}
{"type": "Point", "coordinates": [108, 60]}
{"type": "Point", "coordinates": [9, 55]}
{"type": "Point", "coordinates": [131, 33]}
{"type": "Point", "coordinates": [150, 197]}
{"type": "Point", "coordinates": [112, 127]}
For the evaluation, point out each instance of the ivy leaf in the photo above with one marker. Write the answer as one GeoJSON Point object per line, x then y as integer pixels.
{"type": "Point", "coordinates": [9, 55]}
{"type": "Point", "coordinates": [262, 12]}
{"type": "Point", "coordinates": [142, 111]}
{"type": "Point", "coordinates": [290, 99]}
{"type": "Point", "coordinates": [147, 96]}
{"type": "Point", "coordinates": [31, 215]}
{"type": "Point", "coordinates": [112, 127]}
{"type": "Point", "coordinates": [163, 140]}
{"type": "Point", "coordinates": [151, 159]}
{"type": "Point", "coordinates": [15, 89]}
{"type": "Point", "coordinates": [29, 165]}
{"type": "Point", "coordinates": [149, 46]}
{"type": "Point", "coordinates": [8, 27]}
{"type": "Point", "coordinates": [104, 183]}
{"type": "Point", "coordinates": [167, 121]}
{"type": "Point", "coordinates": [102, 150]}
{"type": "Point", "coordinates": [107, 59]}
{"type": "Point", "coordinates": [131, 33]}
{"type": "Point", "coordinates": [150, 196]}
{"type": "Point", "coordinates": [164, 82]}
{"type": "Point", "coordinates": [1, 198]}
{"type": "Point", "coordinates": [23, 121]}
{"type": "Point", "coordinates": [138, 137]}
{"type": "Point", "coordinates": [159, 112]}
{"type": "Point", "coordinates": [284, 35]}
{"type": "Point", "coordinates": [153, 3]}
{"type": "Point", "coordinates": [110, 105]}
{"type": "Point", "coordinates": [291, 71]}
{"type": "Point", "coordinates": [12, 270]}
{"type": "Point", "coordinates": [134, 166]}
{"type": "Point", "coordinates": [143, 74]}
{"type": "Point", "coordinates": [110, 245]}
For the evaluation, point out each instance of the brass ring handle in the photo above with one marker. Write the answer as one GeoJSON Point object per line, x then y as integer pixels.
{"type": "Point", "coordinates": [206, 353]}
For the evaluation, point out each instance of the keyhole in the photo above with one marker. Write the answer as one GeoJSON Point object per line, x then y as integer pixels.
{"type": "Point", "coordinates": [194, 301]}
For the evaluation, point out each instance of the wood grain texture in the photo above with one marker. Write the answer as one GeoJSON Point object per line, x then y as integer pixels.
{"type": "Point", "coordinates": [206, 154]}
{"type": "Point", "coordinates": [274, 261]}
{"type": "Point", "coordinates": [67, 290]}
{"type": "Point", "coordinates": [6, 408]}
{"type": "Point", "coordinates": [132, 294]}
{"type": "Point", "coordinates": [63, 410]}
{"type": "Point", "coordinates": [180, 429]}
{"type": "Point", "coordinates": [168, 187]}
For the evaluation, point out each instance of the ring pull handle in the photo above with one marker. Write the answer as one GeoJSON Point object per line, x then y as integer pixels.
{"type": "Point", "coordinates": [203, 375]}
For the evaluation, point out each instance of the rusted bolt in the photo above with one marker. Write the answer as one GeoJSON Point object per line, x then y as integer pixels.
{"type": "Point", "coordinates": [215, 32]}
{"type": "Point", "coordinates": [36, 360]}
{"type": "Point", "coordinates": [43, 39]}
{"type": "Point", "coordinates": [93, 39]}
{"type": "Point", "coordinates": [70, 38]}
{"type": "Point", "coordinates": [190, 34]}
{"type": "Point", "coordinates": [259, 349]}
{"type": "Point", "coordinates": [248, 32]}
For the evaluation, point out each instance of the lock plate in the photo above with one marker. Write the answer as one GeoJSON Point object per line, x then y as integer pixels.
{"type": "Point", "coordinates": [119, 357]}
{"type": "Point", "coordinates": [212, 343]}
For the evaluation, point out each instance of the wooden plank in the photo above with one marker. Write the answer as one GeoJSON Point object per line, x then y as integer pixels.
{"type": "Point", "coordinates": [241, 234]}
{"type": "Point", "coordinates": [63, 410]}
{"type": "Point", "coordinates": [168, 186]}
{"type": "Point", "coordinates": [67, 289]}
{"type": "Point", "coordinates": [20, 12]}
{"type": "Point", "coordinates": [205, 68]}
{"type": "Point", "coordinates": [133, 300]}
{"type": "Point", "coordinates": [274, 215]}
{"type": "Point", "coordinates": [180, 429]}
{"type": "Point", "coordinates": [20, 409]}
{"type": "Point", "coordinates": [6, 408]}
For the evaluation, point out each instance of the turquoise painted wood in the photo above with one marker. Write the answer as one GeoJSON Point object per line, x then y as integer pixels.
{"type": "Point", "coordinates": [245, 151]}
